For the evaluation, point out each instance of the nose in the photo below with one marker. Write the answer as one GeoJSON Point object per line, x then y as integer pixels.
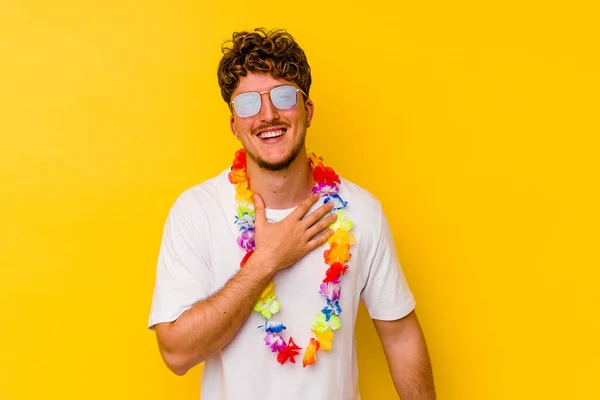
{"type": "Point", "coordinates": [268, 112]}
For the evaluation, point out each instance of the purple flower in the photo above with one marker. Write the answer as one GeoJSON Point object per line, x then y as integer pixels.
{"type": "Point", "coordinates": [331, 290]}
{"type": "Point", "coordinates": [246, 239]}
{"type": "Point", "coordinates": [275, 342]}
{"type": "Point", "coordinates": [325, 190]}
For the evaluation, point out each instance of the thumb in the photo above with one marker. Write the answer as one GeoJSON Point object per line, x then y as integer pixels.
{"type": "Point", "coordinates": [259, 209]}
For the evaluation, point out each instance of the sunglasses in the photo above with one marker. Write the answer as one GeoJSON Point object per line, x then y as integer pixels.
{"type": "Point", "coordinates": [283, 98]}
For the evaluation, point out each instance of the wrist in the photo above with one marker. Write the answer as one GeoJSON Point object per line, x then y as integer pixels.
{"type": "Point", "coordinates": [263, 262]}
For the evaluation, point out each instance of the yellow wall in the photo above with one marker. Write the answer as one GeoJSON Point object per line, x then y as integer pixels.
{"type": "Point", "coordinates": [475, 123]}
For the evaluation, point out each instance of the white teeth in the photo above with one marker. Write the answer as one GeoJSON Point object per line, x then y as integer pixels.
{"type": "Point", "coordinates": [271, 134]}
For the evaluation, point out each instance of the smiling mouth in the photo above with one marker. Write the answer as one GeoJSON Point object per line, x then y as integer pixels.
{"type": "Point", "coordinates": [271, 134]}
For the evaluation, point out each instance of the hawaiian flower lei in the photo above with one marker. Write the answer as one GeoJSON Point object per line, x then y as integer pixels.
{"type": "Point", "coordinates": [336, 257]}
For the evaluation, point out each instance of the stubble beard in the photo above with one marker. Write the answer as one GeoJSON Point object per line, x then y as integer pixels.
{"type": "Point", "coordinates": [282, 165]}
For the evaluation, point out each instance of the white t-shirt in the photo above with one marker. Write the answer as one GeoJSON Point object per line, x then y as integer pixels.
{"type": "Point", "coordinates": [199, 254]}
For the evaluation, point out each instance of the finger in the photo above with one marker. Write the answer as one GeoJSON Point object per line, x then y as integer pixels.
{"type": "Point", "coordinates": [299, 212]}
{"type": "Point", "coordinates": [320, 240]}
{"type": "Point", "coordinates": [316, 215]}
{"type": "Point", "coordinates": [259, 209]}
{"type": "Point", "coordinates": [321, 225]}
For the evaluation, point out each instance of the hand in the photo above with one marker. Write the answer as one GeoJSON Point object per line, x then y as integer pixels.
{"type": "Point", "coordinates": [283, 243]}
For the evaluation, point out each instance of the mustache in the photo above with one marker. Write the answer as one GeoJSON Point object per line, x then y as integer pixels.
{"type": "Point", "coordinates": [267, 126]}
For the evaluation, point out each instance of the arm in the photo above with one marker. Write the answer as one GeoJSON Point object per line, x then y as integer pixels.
{"type": "Point", "coordinates": [406, 352]}
{"type": "Point", "coordinates": [210, 324]}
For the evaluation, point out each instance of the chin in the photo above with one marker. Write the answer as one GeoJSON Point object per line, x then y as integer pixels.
{"type": "Point", "coordinates": [276, 165]}
{"type": "Point", "coordinates": [279, 163]}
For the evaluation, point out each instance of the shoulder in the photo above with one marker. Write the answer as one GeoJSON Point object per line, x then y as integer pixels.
{"type": "Point", "coordinates": [364, 209]}
{"type": "Point", "coordinates": [204, 197]}
{"type": "Point", "coordinates": [359, 197]}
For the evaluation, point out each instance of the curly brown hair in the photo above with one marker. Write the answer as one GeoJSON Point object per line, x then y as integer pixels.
{"type": "Point", "coordinates": [275, 52]}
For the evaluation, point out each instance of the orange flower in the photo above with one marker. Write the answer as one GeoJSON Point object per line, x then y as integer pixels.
{"type": "Point", "coordinates": [313, 160]}
{"type": "Point", "coordinates": [337, 253]}
{"type": "Point", "coordinates": [237, 176]}
{"type": "Point", "coordinates": [311, 353]}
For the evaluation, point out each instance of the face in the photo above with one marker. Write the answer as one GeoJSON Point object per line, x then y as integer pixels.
{"type": "Point", "coordinates": [272, 138]}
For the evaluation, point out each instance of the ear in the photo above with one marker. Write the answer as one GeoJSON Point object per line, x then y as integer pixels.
{"type": "Point", "coordinates": [309, 108]}
{"type": "Point", "coordinates": [232, 126]}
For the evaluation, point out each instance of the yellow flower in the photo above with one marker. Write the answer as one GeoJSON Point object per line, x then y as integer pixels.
{"type": "Point", "coordinates": [324, 338]}
{"type": "Point", "coordinates": [342, 238]}
{"type": "Point", "coordinates": [242, 194]}
{"type": "Point", "coordinates": [269, 291]}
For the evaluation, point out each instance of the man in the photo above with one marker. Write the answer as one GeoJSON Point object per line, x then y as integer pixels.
{"type": "Point", "coordinates": [281, 234]}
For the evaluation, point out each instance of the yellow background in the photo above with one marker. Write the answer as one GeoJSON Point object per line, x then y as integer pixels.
{"type": "Point", "coordinates": [475, 123]}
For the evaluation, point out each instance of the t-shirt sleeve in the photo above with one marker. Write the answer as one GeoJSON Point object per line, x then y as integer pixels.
{"type": "Point", "coordinates": [386, 293]}
{"type": "Point", "coordinates": [183, 274]}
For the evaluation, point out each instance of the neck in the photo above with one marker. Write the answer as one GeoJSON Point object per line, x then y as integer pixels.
{"type": "Point", "coordinates": [282, 189]}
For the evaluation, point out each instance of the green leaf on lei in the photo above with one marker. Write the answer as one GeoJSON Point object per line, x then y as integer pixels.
{"type": "Point", "coordinates": [244, 209]}
{"type": "Point", "coordinates": [320, 325]}
{"type": "Point", "coordinates": [334, 322]}
{"type": "Point", "coordinates": [341, 222]}
{"type": "Point", "coordinates": [267, 308]}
